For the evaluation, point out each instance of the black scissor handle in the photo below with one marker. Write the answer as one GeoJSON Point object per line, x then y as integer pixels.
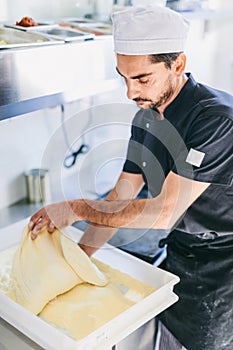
{"type": "Point", "coordinates": [70, 160]}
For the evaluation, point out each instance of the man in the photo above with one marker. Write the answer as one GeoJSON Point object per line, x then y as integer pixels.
{"type": "Point", "coordinates": [181, 148]}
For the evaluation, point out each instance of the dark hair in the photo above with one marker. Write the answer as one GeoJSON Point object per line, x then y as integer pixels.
{"type": "Point", "coordinates": [167, 58]}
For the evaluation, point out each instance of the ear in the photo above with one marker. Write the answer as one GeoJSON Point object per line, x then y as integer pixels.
{"type": "Point", "coordinates": [180, 64]}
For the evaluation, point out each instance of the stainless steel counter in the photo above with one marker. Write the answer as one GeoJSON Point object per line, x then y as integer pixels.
{"type": "Point", "coordinates": [17, 212]}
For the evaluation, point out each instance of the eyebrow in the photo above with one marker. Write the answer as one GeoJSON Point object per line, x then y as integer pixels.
{"type": "Point", "coordinates": [139, 76]}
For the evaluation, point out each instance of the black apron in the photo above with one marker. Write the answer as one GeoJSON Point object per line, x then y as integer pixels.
{"type": "Point", "coordinates": [202, 319]}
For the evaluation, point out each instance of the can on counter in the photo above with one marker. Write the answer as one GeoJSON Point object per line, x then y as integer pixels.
{"type": "Point", "coordinates": [37, 185]}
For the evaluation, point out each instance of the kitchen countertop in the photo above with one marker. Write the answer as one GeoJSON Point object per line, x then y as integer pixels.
{"type": "Point", "coordinates": [11, 338]}
{"type": "Point", "coordinates": [16, 212]}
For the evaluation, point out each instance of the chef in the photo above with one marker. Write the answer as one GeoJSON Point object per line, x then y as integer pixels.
{"type": "Point", "coordinates": [181, 148]}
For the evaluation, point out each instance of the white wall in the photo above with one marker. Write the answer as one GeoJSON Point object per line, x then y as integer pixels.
{"type": "Point", "coordinates": [22, 141]}
{"type": "Point", "coordinates": [4, 10]}
{"type": "Point", "coordinates": [44, 9]}
{"type": "Point", "coordinates": [38, 140]}
{"type": "Point", "coordinates": [209, 51]}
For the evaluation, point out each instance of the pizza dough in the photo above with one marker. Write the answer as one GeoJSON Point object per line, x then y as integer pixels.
{"type": "Point", "coordinates": [51, 276]}
{"type": "Point", "coordinates": [49, 266]}
{"type": "Point", "coordinates": [85, 308]}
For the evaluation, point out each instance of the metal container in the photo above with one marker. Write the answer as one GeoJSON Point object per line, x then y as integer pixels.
{"type": "Point", "coordinates": [37, 185]}
{"type": "Point", "coordinates": [13, 38]}
{"type": "Point", "coordinates": [60, 33]}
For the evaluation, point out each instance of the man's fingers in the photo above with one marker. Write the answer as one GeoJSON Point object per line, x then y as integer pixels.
{"type": "Point", "coordinates": [37, 228]}
{"type": "Point", "coordinates": [51, 227]}
{"type": "Point", "coordinates": [37, 224]}
{"type": "Point", "coordinates": [46, 217]}
{"type": "Point", "coordinates": [33, 235]}
{"type": "Point", "coordinates": [35, 219]}
{"type": "Point", "coordinates": [31, 225]}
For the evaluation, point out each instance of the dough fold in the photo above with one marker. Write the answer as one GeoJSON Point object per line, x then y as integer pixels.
{"type": "Point", "coordinates": [49, 266]}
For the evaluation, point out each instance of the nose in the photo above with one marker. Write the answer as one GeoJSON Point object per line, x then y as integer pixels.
{"type": "Point", "coordinates": [132, 89]}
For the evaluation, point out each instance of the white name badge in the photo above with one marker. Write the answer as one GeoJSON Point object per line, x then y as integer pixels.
{"type": "Point", "coordinates": [195, 157]}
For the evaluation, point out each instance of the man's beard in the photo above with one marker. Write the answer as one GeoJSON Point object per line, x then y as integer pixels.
{"type": "Point", "coordinates": [163, 98]}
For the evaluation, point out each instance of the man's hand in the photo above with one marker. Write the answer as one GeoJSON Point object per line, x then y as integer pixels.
{"type": "Point", "coordinates": [58, 215]}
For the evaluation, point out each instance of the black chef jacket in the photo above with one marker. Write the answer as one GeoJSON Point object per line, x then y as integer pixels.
{"type": "Point", "coordinates": [194, 140]}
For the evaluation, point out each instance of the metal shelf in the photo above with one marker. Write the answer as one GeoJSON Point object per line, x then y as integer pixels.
{"type": "Point", "coordinates": [31, 105]}
{"type": "Point", "coordinates": [41, 77]}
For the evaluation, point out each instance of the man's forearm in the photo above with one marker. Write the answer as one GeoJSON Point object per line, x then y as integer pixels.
{"type": "Point", "coordinates": [127, 187]}
{"type": "Point", "coordinates": [161, 212]}
{"type": "Point", "coordinates": [94, 237]}
{"type": "Point", "coordinates": [139, 213]}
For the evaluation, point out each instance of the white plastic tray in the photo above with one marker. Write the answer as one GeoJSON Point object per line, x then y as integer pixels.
{"type": "Point", "coordinates": [113, 331]}
{"type": "Point", "coordinates": [12, 38]}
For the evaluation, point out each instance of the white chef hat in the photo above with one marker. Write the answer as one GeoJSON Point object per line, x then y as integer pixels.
{"type": "Point", "coordinates": [150, 30]}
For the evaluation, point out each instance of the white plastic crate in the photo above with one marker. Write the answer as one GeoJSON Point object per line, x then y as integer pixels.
{"type": "Point", "coordinates": [111, 332]}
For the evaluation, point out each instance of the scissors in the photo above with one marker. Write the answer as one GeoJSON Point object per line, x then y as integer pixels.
{"type": "Point", "coordinates": [70, 160]}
